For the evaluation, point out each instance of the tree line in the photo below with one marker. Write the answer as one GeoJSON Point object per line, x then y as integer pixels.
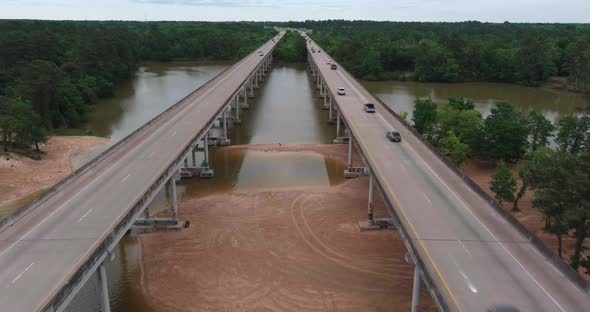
{"type": "Point", "coordinates": [51, 73]}
{"type": "Point", "coordinates": [455, 52]}
{"type": "Point", "coordinates": [291, 48]}
{"type": "Point", "coordinates": [553, 159]}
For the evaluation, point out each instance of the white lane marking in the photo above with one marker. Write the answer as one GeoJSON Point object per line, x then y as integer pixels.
{"type": "Point", "coordinates": [427, 199]}
{"type": "Point", "coordinates": [487, 229]}
{"type": "Point", "coordinates": [470, 285]}
{"type": "Point", "coordinates": [173, 134]}
{"type": "Point", "coordinates": [23, 272]}
{"type": "Point", "coordinates": [477, 219]}
{"type": "Point", "coordinates": [465, 247]}
{"type": "Point", "coordinates": [171, 121]}
{"type": "Point", "coordinates": [86, 214]}
{"type": "Point", "coordinates": [125, 179]}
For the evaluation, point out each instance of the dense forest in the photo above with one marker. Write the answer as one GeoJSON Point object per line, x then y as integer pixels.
{"type": "Point", "coordinates": [291, 48]}
{"type": "Point", "coordinates": [51, 73]}
{"type": "Point", "coordinates": [556, 166]}
{"type": "Point", "coordinates": [455, 52]}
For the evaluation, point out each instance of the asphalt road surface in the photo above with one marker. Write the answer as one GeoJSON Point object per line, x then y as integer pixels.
{"type": "Point", "coordinates": [474, 256]}
{"type": "Point", "coordinates": [41, 251]}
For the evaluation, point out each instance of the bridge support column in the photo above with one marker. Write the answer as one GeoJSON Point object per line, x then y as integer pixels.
{"type": "Point", "coordinates": [237, 120]}
{"type": "Point", "coordinates": [173, 200]}
{"type": "Point", "coordinates": [256, 78]}
{"type": "Point", "coordinates": [350, 153]}
{"type": "Point", "coordinates": [104, 288]}
{"type": "Point", "coordinates": [245, 97]}
{"type": "Point", "coordinates": [416, 290]}
{"type": "Point", "coordinates": [371, 204]}
{"type": "Point", "coordinates": [251, 84]}
{"type": "Point", "coordinates": [326, 96]}
{"type": "Point", "coordinates": [331, 115]}
{"type": "Point", "coordinates": [322, 94]}
{"type": "Point", "coordinates": [225, 140]}
{"type": "Point", "coordinates": [206, 171]}
{"type": "Point", "coordinates": [338, 125]}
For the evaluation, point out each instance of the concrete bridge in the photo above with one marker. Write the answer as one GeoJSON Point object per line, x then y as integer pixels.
{"type": "Point", "coordinates": [49, 249]}
{"type": "Point", "coordinates": [469, 253]}
{"type": "Point", "coordinates": [465, 250]}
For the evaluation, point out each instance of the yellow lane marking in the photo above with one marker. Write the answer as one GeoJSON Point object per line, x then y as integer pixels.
{"type": "Point", "coordinates": [410, 224]}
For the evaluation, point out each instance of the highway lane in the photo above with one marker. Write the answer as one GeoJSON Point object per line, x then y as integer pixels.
{"type": "Point", "coordinates": [40, 252]}
{"type": "Point", "coordinates": [476, 258]}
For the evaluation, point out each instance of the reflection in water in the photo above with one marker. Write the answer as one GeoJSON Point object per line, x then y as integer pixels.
{"type": "Point", "coordinates": [552, 103]}
{"type": "Point", "coordinates": [249, 170]}
{"type": "Point", "coordinates": [286, 110]}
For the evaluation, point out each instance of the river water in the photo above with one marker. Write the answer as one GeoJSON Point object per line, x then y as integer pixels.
{"type": "Point", "coordinates": [286, 110]}
{"type": "Point", "coordinates": [400, 96]}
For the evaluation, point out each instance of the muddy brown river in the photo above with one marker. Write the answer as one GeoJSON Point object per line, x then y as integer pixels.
{"type": "Point", "coordinates": [286, 110]}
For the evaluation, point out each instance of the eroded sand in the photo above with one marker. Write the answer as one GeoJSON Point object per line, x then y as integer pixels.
{"type": "Point", "coordinates": [293, 250]}
{"type": "Point", "coordinates": [22, 177]}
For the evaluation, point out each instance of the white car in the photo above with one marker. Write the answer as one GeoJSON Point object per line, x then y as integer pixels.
{"type": "Point", "coordinates": [341, 91]}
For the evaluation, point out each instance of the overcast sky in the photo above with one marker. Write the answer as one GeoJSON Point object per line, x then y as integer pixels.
{"type": "Point", "coordinates": [562, 11]}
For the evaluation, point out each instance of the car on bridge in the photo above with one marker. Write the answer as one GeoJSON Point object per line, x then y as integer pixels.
{"type": "Point", "coordinates": [393, 136]}
{"type": "Point", "coordinates": [341, 91]}
{"type": "Point", "coordinates": [334, 67]}
{"type": "Point", "coordinates": [329, 63]}
{"type": "Point", "coordinates": [369, 108]}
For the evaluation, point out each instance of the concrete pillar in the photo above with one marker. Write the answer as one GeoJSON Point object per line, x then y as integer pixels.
{"type": "Point", "coordinates": [225, 124]}
{"type": "Point", "coordinates": [371, 198]}
{"type": "Point", "coordinates": [338, 125]}
{"type": "Point", "coordinates": [416, 290]}
{"type": "Point", "coordinates": [322, 88]}
{"type": "Point", "coordinates": [350, 152]}
{"type": "Point", "coordinates": [325, 97]}
{"type": "Point", "coordinates": [173, 204]}
{"type": "Point", "coordinates": [237, 120]}
{"type": "Point", "coordinates": [251, 83]}
{"type": "Point", "coordinates": [245, 96]}
{"type": "Point", "coordinates": [256, 81]}
{"type": "Point", "coordinates": [104, 288]}
{"type": "Point", "coordinates": [206, 142]}
{"type": "Point", "coordinates": [330, 117]}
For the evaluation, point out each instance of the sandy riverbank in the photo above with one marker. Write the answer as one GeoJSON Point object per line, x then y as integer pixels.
{"type": "Point", "coordinates": [21, 177]}
{"type": "Point", "coordinates": [290, 250]}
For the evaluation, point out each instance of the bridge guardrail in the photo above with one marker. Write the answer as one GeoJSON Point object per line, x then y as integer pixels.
{"type": "Point", "coordinates": [535, 240]}
{"type": "Point", "coordinates": [560, 263]}
{"type": "Point", "coordinates": [98, 251]}
{"type": "Point", "coordinates": [10, 219]}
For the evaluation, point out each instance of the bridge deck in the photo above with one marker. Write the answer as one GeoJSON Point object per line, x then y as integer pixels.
{"type": "Point", "coordinates": [40, 252]}
{"type": "Point", "coordinates": [473, 255]}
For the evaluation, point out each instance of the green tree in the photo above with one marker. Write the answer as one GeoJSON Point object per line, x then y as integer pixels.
{"type": "Point", "coordinates": [504, 134]}
{"type": "Point", "coordinates": [540, 129]}
{"type": "Point", "coordinates": [572, 133]}
{"type": "Point", "coordinates": [578, 63]}
{"type": "Point", "coordinates": [459, 103]}
{"type": "Point", "coordinates": [523, 174]}
{"type": "Point", "coordinates": [454, 149]}
{"type": "Point", "coordinates": [434, 62]}
{"type": "Point", "coordinates": [503, 184]}
{"type": "Point", "coordinates": [550, 175]}
{"type": "Point", "coordinates": [424, 115]}
{"type": "Point", "coordinates": [578, 214]}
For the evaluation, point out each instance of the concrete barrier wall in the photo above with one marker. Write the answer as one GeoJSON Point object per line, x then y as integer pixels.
{"type": "Point", "coordinates": [62, 296]}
